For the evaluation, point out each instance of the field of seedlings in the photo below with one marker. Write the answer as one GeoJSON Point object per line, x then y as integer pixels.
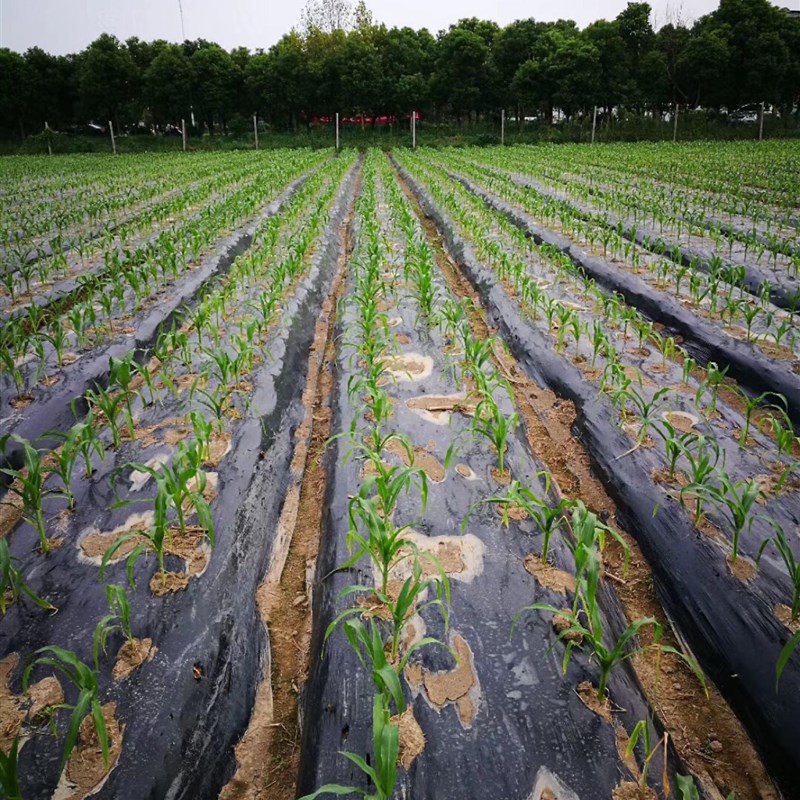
{"type": "Point", "coordinates": [436, 474]}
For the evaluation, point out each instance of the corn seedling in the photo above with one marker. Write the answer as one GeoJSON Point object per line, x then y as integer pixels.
{"type": "Point", "coordinates": [642, 731]}
{"type": "Point", "coordinates": [8, 364]}
{"type": "Point", "coordinates": [66, 457]}
{"type": "Point", "coordinates": [737, 499]}
{"type": "Point", "coordinates": [88, 703]}
{"type": "Point", "coordinates": [118, 618]}
{"type": "Point", "coordinates": [702, 467]}
{"type": "Point", "coordinates": [9, 772]}
{"type": "Point", "coordinates": [714, 378]}
{"type": "Point", "coordinates": [688, 791]}
{"type": "Point", "coordinates": [88, 442]}
{"type": "Point", "coordinates": [180, 488]}
{"type": "Point", "coordinates": [372, 533]}
{"type": "Point", "coordinates": [492, 423]}
{"type": "Point", "coordinates": [752, 403]}
{"type": "Point", "coordinates": [111, 406]}
{"type": "Point", "coordinates": [28, 484]}
{"type": "Point", "coordinates": [546, 517]}
{"type": "Point", "coordinates": [781, 544]}
{"type": "Point", "coordinates": [385, 747]}
{"type": "Point", "coordinates": [202, 433]}
{"type": "Point", "coordinates": [12, 583]}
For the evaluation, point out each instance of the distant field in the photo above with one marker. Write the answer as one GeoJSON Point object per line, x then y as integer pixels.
{"type": "Point", "coordinates": [479, 464]}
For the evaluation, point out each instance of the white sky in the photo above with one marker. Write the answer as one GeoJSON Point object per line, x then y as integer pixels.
{"type": "Point", "coordinates": [67, 26]}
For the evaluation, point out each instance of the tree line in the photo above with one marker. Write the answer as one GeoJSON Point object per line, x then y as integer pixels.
{"type": "Point", "coordinates": [747, 51]}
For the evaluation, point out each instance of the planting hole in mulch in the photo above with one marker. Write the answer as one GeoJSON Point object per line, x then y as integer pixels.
{"type": "Point", "coordinates": [437, 408]}
{"type": "Point", "coordinates": [549, 576]}
{"type": "Point", "coordinates": [408, 366]}
{"type": "Point", "coordinates": [459, 686]}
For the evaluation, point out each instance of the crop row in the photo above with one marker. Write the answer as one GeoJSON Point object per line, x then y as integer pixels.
{"type": "Point", "coordinates": [40, 343]}
{"type": "Point", "coordinates": [205, 379]}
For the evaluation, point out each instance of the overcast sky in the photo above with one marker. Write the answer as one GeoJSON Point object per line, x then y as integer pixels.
{"type": "Point", "coordinates": [66, 26]}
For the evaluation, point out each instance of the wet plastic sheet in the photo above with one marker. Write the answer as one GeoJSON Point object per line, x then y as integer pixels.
{"type": "Point", "coordinates": [783, 292]}
{"type": "Point", "coordinates": [729, 626]}
{"type": "Point", "coordinates": [184, 711]}
{"type": "Point", "coordinates": [748, 367]}
{"type": "Point", "coordinates": [520, 727]}
{"type": "Point", "coordinates": [51, 407]}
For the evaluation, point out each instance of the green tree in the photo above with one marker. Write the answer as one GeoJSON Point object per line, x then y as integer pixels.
{"type": "Point", "coordinates": [513, 46]}
{"type": "Point", "coordinates": [106, 76]}
{"type": "Point", "coordinates": [49, 92]}
{"type": "Point", "coordinates": [360, 68]}
{"type": "Point", "coordinates": [407, 57]}
{"type": "Point", "coordinates": [167, 85]}
{"type": "Point", "coordinates": [13, 75]}
{"type": "Point", "coordinates": [460, 76]}
{"type": "Point", "coordinates": [279, 80]}
{"type": "Point", "coordinates": [213, 85]}
{"type": "Point", "coordinates": [639, 39]}
{"type": "Point", "coordinates": [612, 77]}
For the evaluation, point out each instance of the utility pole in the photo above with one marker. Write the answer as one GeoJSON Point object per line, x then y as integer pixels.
{"type": "Point", "coordinates": [413, 130]}
{"type": "Point", "coordinates": [337, 131]}
{"type": "Point", "coordinates": [183, 133]}
{"type": "Point", "coordinates": [47, 133]}
{"type": "Point", "coordinates": [675, 123]}
{"type": "Point", "coordinates": [255, 128]}
{"type": "Point", "coordinates": [502, 126]}
{"type": "Point", "coordinates": [183, 39]}
{"type": "Point", "coordinates": [113, 141]}
{"type": "Point", "coordinates": [594, 123]}
{"type": "Point", "coordinates": [761, 123]}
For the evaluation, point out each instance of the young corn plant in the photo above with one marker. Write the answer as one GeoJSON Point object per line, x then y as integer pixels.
{"type": "Point", "coordinates": [688, 791]}
{"type": "Point", "coordinates": [118, 619]}
{"type": "Point", "coordinates": [714, 378]}
{"type": "Point", "coordinates": [372, 533]}
{"type": "Point", "coordinates": [752, 403]}
{"type": "Point", "coordinates": [547, 518]}
{"type": "Point", "coordinates": [8, 365]}
{"type": "Point", "coordinates": [66, 456]}
{"type": "Point", "coordinates": [584, 628]}
{"type": "Point", "coordinates": [9, 772]}
{"type": "Point", "coordinates": [179, 491]}
{"type": "Point", "coordinates": [641, 731]}
{"type": "Point", "coordinates": [676, 443]}
{"type": "Point", "coordinates": [27, 483]}
{"type": "Point", "coordinates": [491, 422]}
{"type": "Point", "coordinates": [403, 607]}
{"type": "Point", "coordinates": [13, 585]}
{"type": "Point", "coordinates": [217, 402]}
{"type": "Point", "coordinates": [385, 748]}
{"type": "Point", "coordinates": [203, 430]}
{"type": "Point", "coordinates": [781, 544]}
{"type": "Point", "coordinates": [589, 537]}
{"type": "Point", "coordinates": [111, 406]}
{"type": "Point", "coordinates": [88, 703]}
{"type": "Point", "coordinates": [736, 499]}
{"type": "Point", "coordinates": [702, 468]}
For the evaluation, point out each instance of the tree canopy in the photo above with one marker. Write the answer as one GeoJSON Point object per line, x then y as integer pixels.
{"type": "Point", "coordinates": [747, 51]}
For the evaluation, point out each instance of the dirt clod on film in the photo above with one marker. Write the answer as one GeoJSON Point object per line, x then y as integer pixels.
{"type": "Point", "coordinates": [588, 696]}
{"type": "Point", "coordinates": [131, 656]}
{"type": "Point", "coordinates": [86, 770]}
{"type": "Point", "coordinates": [549, 576]}
{"type": "Point", "coordinates": [412, 739]}
{"type": "Point", "coordinates": [631, 791]}
{"type": "Point", "coordinates": [458, 685]}
{"type": "Point", "coordinates": [692, 718]}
